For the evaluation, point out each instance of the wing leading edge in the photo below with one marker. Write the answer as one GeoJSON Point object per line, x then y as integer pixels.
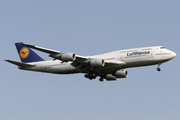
{"type": "Point", "coordinates": [54, 52]}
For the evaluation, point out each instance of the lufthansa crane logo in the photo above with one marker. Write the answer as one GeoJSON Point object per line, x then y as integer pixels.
{"type": "Point", "coordinates": [24, 52]}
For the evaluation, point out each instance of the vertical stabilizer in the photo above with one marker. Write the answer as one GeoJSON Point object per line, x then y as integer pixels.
{"type": "Point", "coordinates": [26, 54]}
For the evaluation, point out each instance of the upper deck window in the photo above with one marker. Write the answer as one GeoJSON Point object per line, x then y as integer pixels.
{"type": "Point", "coordinates": [162, 48]}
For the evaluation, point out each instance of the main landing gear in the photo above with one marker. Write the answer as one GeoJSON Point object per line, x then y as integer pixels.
{"type": "Point", "coordinates": [101, 79]}
{"type": "Point", "coordinates": [93, 76]}
{"type": "Point", "coordinates": [90, 76]}
{"type": "Point", "coordinates": [159, 69]}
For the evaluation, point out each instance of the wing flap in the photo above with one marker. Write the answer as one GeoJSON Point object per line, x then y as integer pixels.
{"type": "Point", "coordinates": [20, 63]}
{"type": "Point", "coordinates": [81, 59]}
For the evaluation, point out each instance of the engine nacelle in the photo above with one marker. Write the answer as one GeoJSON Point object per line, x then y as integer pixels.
{"type": "Point", "coordinates": [121, 74]}
{"type": "Point", "coordinates": [97, 63]}
{"type": "Point", "coordinates": [110, 77]}
{"type": "Point", "coordinates": [65, 57]}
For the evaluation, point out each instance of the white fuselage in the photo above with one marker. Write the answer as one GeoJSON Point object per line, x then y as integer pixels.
{"type": "Point", "coordinates": [131, 57]}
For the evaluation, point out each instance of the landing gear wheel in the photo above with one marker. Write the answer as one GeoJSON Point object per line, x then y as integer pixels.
{"type": "Point", "coordinates": [101, 79]}
{"type": "Point", "coordinates": [86, 76]}
{"type": "Point", "coordinates": [158, 69]}
{"type": "Point", "coordinates": [93, 77]}
{"type": "Point", "coordinates": [90, 77]}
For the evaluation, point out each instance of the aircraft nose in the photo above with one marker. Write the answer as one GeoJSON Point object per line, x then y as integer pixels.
{"type": "Point", "coordinates": [173, 54]}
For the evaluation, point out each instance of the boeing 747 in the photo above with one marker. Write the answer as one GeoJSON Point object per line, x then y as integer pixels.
{"type": "Point", "coordinates": [109, 66]}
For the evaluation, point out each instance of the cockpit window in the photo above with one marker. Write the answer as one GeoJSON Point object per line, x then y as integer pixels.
{"type": "Point", "coordinates": [162, 48]}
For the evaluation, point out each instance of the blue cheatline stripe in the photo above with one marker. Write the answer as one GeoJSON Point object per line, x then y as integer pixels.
{"type": "Point", "coordinates": [26, 54]}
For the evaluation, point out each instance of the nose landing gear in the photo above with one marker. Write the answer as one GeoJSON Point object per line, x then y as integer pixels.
{"type": "Point", "coordinates": [159, 69]}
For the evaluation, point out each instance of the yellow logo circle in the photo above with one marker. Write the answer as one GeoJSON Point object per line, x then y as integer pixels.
{"type": "Point", "coordinates": [24, 52]}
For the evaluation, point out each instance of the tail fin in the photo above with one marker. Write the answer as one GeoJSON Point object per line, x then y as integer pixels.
{"type": "Point", "coordinates": [26, 54]}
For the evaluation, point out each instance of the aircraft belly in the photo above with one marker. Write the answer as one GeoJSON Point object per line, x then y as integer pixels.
{"type": "Point", "coordinates": [109, 68]}
{"type": "Point", "coordinates": [144, 63]}
{"type": "Point", "coordinates": [63, 69]}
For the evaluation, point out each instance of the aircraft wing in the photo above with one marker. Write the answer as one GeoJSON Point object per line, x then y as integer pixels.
{"type": "Point", "coordinates": [54, 52]}
{"type": "Point", "coordinates": [20, 63]}
{"type": "Point", "coordinates": [81, 62]}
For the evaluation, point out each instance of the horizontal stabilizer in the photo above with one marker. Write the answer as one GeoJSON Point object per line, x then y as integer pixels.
{"type": "Point", "coordinates": [20, 63]}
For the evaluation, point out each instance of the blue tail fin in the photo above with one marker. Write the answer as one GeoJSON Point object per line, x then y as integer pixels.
{"type": "Point", "coordinates": [26, 54]}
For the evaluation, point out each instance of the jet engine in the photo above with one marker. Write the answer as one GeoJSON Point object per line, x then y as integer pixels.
{"type": "Point", "coordinates": [110, 77]}
{"type": "Point", "coordinates": [97, 63]}
{"type": "Point", "coordinates": [121, 74]}
{"type": "Point", "coordinates": [117, 74]}
{"type": "Point", "coordinates": [65, 57]}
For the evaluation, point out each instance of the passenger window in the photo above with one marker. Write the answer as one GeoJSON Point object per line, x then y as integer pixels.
{"type": "Point", "coordinates": [162, 48]}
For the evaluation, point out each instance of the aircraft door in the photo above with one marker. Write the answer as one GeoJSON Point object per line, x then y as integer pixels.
{"type": "Point", "coordinates": [150, 55]}
{"type": "Point", "coordinates": [44, 69]}
{"type": "Point", "coordinates": [121, 58]}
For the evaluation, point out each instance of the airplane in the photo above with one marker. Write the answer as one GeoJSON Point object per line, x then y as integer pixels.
{"type": "Point", "coordinates": [109, 66]}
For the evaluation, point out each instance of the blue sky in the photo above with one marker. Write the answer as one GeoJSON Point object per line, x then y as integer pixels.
{"type": "Point", "coordinates": [87, 28]}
